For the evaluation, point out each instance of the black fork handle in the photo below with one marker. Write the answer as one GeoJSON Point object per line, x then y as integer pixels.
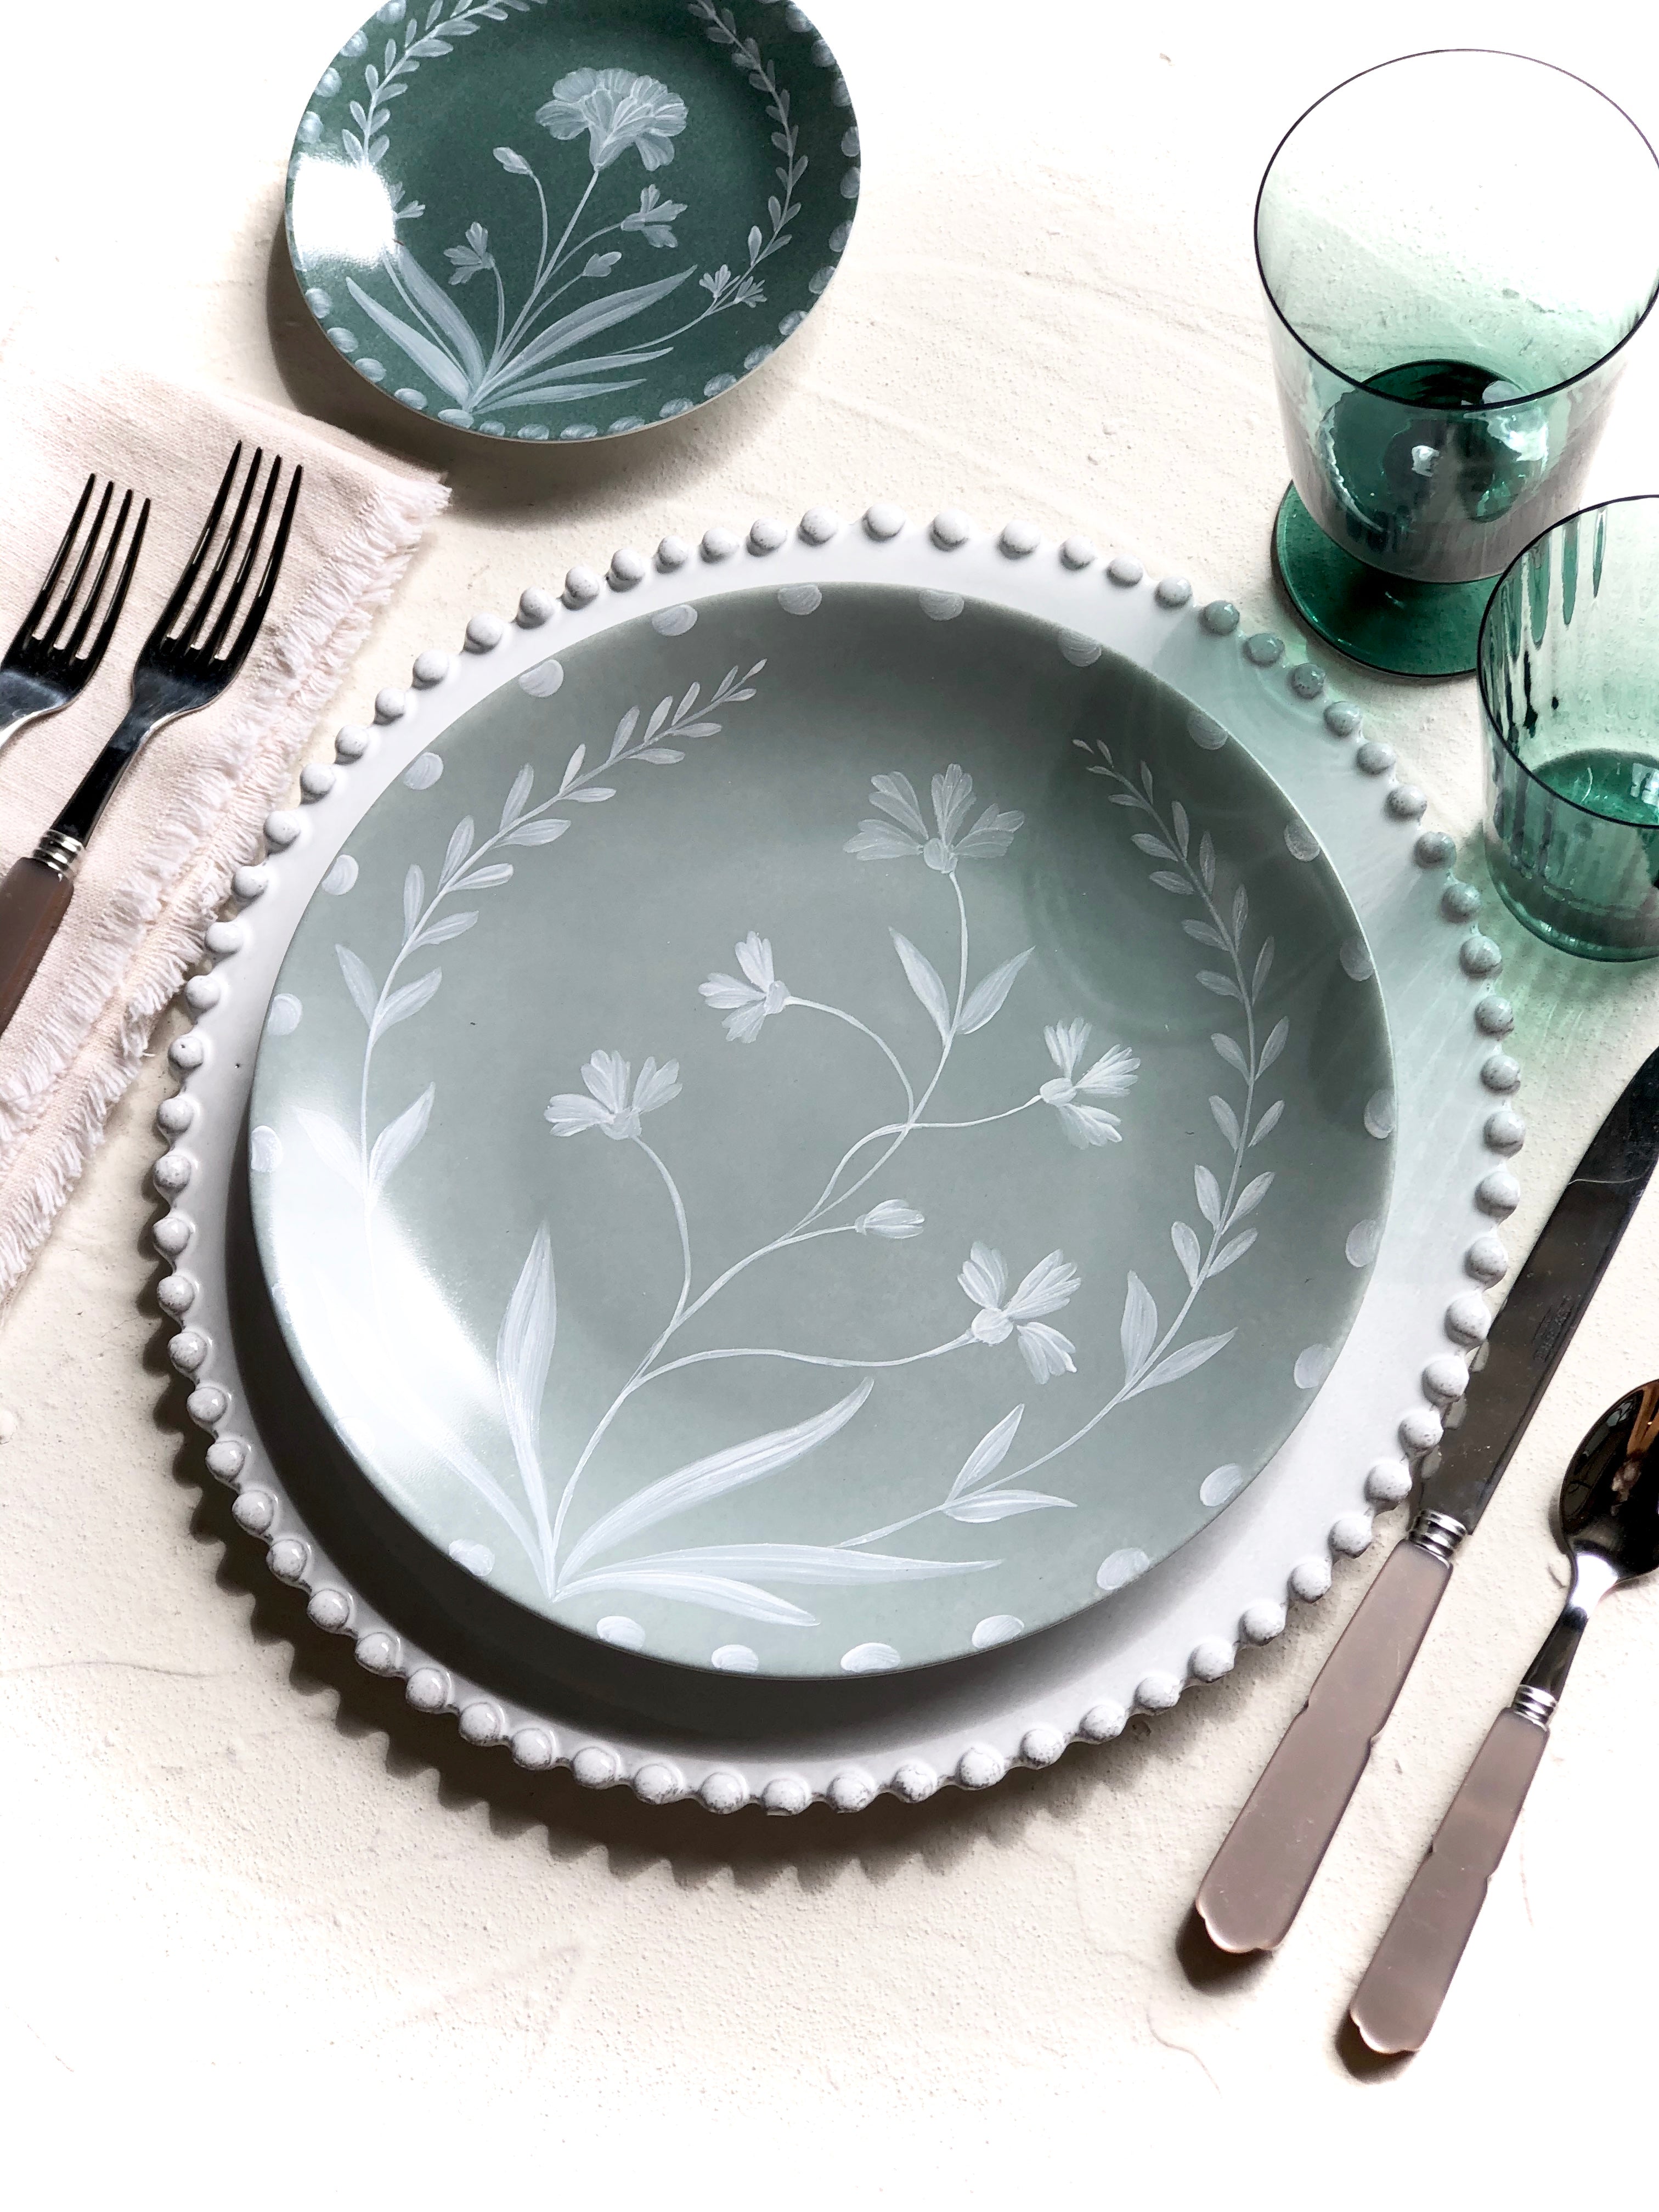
{"type": "Point", "coordinates": [33, 899]}
{"type": "Point", "coordinates": [93, 794]}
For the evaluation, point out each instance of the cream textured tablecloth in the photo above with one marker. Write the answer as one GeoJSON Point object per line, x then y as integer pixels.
{"type": "Point", "coordinates": [266, 1932]}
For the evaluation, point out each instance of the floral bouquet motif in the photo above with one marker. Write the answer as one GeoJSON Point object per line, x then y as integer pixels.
{"type": "Point", "coordinates": [1008, 1311]}
{"type": "Point", "coordinates": [543, 344]}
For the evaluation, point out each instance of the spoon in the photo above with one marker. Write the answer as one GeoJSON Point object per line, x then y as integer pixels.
{"type": "Point", "coordinates": [1610, 1530]}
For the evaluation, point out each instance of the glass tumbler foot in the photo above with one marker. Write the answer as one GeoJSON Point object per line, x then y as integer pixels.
{"type": "Point", "coordinates": [1385, 622]}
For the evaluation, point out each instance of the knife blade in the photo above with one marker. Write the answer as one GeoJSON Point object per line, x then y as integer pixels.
{"type": "Point", "coordinates": [1540, 1314]}
{"type": "Point", "coordinates": [1267, 1861]}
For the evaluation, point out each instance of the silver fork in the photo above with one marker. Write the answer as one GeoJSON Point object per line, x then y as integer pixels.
{"type": "Point", "coordinates": [44, 670]}
{"type": "Point", "coordinates": [189, 659]}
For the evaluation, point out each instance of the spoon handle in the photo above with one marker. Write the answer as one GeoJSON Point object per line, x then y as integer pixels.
{"type": "Point", "coordinates": [1404, 1987]}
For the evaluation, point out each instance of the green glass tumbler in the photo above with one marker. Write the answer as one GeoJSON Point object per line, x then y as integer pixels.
{"type": "Point", "coordinates": [1568, 673]}
{"type": "Point", "coordinates": [1448, 312]}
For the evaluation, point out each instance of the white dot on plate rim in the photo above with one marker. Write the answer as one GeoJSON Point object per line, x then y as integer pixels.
{"type": "Point", "coordinates": [941, 607]}
{"type": "Point", "coordinates": [996, 1628]}
{"type": "Point", "coordinates": [1120, 1568]}
{"type": "Point", "coordinates": [1355, 955]}
{"type": "Point", "coordinates": [1221, 1484]}
{"type": "Point", "coordinates": [1313, 1364]}
{"type": "Point", "coordinates": [541, 682]}
{"type": "Point", "coordinates": [1206, 732]}
{"type": "Point", "coordinates": [618, 1629]}
{"type": "Point", "coordinates": [1363, 1239]}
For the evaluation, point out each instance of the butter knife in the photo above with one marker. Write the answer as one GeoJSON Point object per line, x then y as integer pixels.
{"type": "Point", "coordinates": [1265, 1865]}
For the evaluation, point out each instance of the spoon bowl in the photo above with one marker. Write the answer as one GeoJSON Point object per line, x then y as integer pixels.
{"type": "Point", "coordinates": [1610, 1498]}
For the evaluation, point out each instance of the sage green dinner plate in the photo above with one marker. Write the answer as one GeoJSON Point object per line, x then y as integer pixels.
{"type": "Point", "coordinates": [569, 219]}
{"type": "Point", "coordinates": [822, 1130]}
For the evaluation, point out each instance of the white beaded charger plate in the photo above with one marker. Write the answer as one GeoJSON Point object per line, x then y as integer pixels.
{"type": "Point", "coordinates": [615, 1715]}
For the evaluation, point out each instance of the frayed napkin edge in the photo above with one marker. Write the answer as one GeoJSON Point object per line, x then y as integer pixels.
{"type": "Point", "coordinates": [94, 1042]}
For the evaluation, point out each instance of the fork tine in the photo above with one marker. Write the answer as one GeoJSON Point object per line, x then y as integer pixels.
{"type": "Point", "coordinates": [262, 598]}
{"type": "Point", "coordinates": [65, 605]}
{"type": "Point", "coordinates": [210, 590]}
{"type": "Point", "coordinates": [96, 651]}
{"type": "Point", "coordinates": [169, 614]}
{"type": "Point", "coordinates": [58, 559]}
{"type": "Point", "coordinates": [88, 612]}
{"type": "Point", "coordinates": [221, 628]}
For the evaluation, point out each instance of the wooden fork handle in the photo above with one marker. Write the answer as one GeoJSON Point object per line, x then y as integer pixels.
{"type": "Point", "coordinates": [33, 899]}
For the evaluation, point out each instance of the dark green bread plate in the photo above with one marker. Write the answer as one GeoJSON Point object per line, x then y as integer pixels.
{"type": "Point", "coordinates": [570, 219]}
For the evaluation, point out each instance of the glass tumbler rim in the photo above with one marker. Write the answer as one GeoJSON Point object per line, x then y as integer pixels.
{"type": "Point", "coordinates": [1494, 722]}
{"type": "Point", "coordinates": [1429, 53]}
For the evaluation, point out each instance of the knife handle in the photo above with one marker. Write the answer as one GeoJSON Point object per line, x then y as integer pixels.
{"type": "Point", "coordinates": [33, 899]}
{"type": "Point", "coordinates": [1404, 1987]}
{"type": "Point", "coordinates": [1271, 1854]}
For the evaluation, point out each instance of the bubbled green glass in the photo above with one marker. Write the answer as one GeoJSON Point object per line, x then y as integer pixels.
{"type": "Point", "coordinates": [1446, 337]}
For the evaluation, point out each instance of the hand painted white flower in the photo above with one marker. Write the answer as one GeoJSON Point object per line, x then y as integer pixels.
{"type": "Point", "coordinates": [617, 110]}
{"type": "Point", "coordinates": [472, 257]}
{"type": "Point", "coordinates": [1111, 1076]}
{"type": "Point", "coordinates": [892, 1218]}
{"type": "Point", "coordinates": [753, 1000]}
{"type": "Point", "coordinates": [942, 847]}
{"type": "Point", "coordinates": [653, 216]}
{"type": "Point", "coordinates": [1050, 1286]}
{"type": "Point", "coordinates": [608, 1108]}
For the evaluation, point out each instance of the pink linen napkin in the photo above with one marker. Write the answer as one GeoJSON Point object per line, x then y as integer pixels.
{"type": "Point", "coordinates": [190, 809]}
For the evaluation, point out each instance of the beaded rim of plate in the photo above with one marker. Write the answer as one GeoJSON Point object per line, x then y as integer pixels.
{"type": "Point", "coordinates": [262, 1508]}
